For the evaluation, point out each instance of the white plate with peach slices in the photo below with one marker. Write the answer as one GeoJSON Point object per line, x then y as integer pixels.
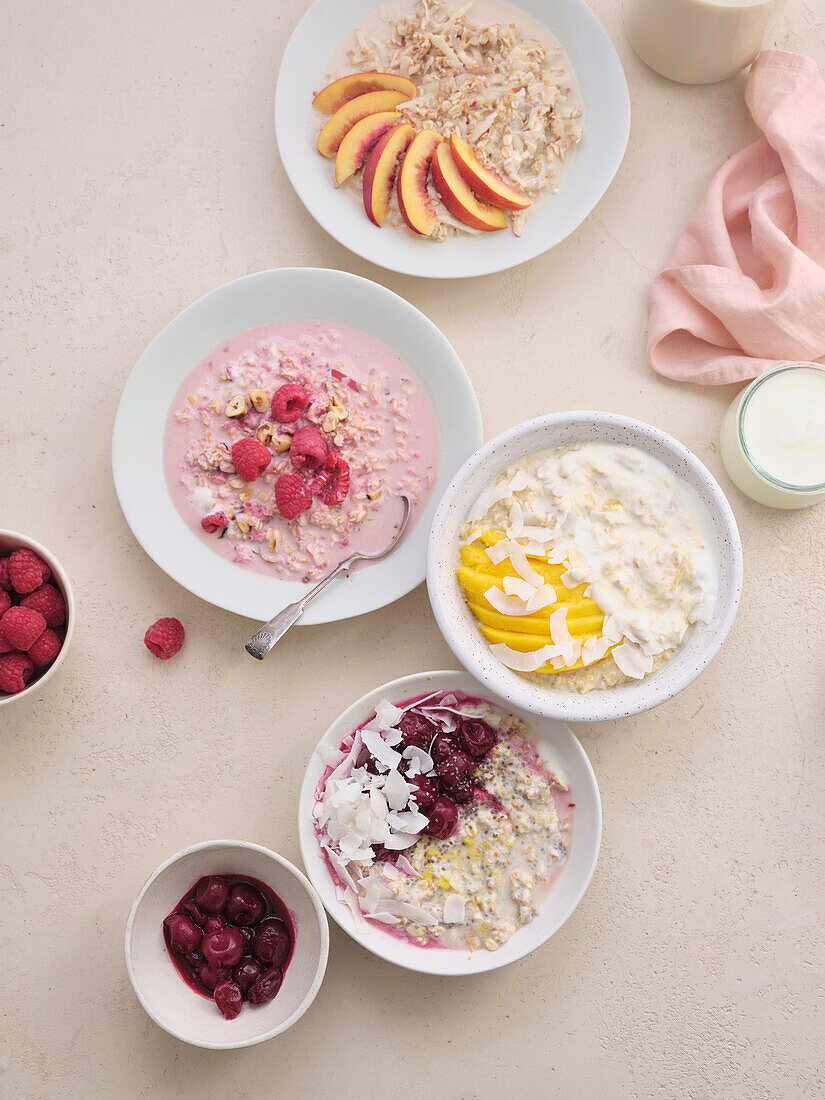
{"type": "Point", "coordinates": [447, 139]}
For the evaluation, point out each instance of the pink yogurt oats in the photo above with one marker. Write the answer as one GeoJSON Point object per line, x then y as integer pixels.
{"type": "Point", "coordinates": [365, 401]}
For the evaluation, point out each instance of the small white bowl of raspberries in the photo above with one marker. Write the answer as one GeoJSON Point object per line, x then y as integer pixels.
{"type": "Point", "coordinates": [37, 614]}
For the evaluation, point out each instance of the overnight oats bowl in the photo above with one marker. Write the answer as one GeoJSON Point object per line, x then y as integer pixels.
{"type": "Point", "coordinates": [226, 945]}
{"type": "Point", "coordinates": [586, 565]}
{"type": "Point", "coordinates": [448, 139]}
{"type": "Point", "coordinates": [445, 831]}
{"type": "Point", "coordinates": [270, 430]}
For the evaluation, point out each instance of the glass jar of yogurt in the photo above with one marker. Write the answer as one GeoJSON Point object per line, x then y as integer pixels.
{"type": "Point", "coordinates": [772, 441]}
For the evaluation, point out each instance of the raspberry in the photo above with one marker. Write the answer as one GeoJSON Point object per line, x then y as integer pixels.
{"type": "Point", "coordinates": [26, 570]}
{"type": "Point", "coordinates": [5, 644]}
{"type": "Point", "coordinates": [164, 638]}
{"type": "Point", "coordinates": [308, 450]}
{"type": "Point", "coordinates": [5, 601]}
{"type": "Point", "coordinates": [288, 402]}
{"type": "Point", "coordinates": [22, 626]}
{"type": "Point", "coordinates": [217, 521]}
{"type": "Point", "coordinates": [5, 581]}
{"type": "Point", "coordinates": [251, 458]}
{"type": "Point", "coordinates": [48, 601]}
{"type": "Point", "coordinates": [45, 649]}
{"type": "Point", "coordinates": [15, 670]}
{"type": "Point", "coordinates": [332, 483]}
{"type": "Point", "coordinates": [291, 495]}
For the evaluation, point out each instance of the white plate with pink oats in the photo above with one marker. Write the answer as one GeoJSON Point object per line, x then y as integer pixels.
{"type": "Point", "coordinates": [447, 138]}
{"type": "Point", "coordinates": [269, 431]}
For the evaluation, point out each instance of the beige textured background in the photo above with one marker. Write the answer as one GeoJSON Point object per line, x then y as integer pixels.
{"type": "Point", "coordinates": [139, 171]}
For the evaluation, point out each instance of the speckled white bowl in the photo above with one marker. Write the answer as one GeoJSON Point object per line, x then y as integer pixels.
{"type": "Point", "coordinates": [459, 626]}
{"type": "Point", "coordinates": [10, 540]}
{"type": "Point", "coordinates": [163, 993]}
{"type": "Point", "coordinates": [563, 753]}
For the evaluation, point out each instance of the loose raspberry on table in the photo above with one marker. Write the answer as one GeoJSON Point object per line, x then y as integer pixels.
{"type": "Point", "coordinates": [308, 450]}
{"type": "Point", "coordinates": [164, 638]}
{"type": "Point", "coordinates": [251, 458]}
{"type": "Point", "coordinates": [332, 482]}
{"type": "Point", "coordinates": [217, 521]}
{"type": "Point", "coordinates": [26, 570]}
{"type": "Point", "coordinates": [288, 402]}
{"type": "Point", "coordinates": [45, 649]}
{"type": "Point", "coordinates": [22, 626]}
{"type": "Point", "coordinates": [5, 601]}
{"type": "Point", "coordinates": [291, 495]}
{"type": "Point", "coordinates": [15, 670]}
{"type": "Point", "coordinates": [5, 580]}
{"type": "Point", "coordinates": [49, 602]}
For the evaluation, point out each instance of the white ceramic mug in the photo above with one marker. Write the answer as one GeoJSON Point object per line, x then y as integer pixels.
{"type": "Point", "coordinates": [698, 41]}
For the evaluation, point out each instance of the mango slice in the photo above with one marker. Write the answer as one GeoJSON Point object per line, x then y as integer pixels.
{"type": "Point", "coordinates": [524, 633]}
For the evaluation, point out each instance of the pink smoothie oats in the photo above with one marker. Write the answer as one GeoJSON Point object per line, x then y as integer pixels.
{"type": "Point", "coordinates": [287, 448]}
{"type": "Point", "coordinates": [440, 822]}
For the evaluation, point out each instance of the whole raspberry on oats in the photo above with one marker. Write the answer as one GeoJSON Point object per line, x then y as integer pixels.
{"type": "Point", "coordinates": [308, 450]}
{"type": "Point", "coordinates": [291, 495]}
{"type": "Point", "coordinates": [217, 521]}
{"type": "Point", "coordinates": [332, 482]}
{"type": "Point", "coordinates": [27, 571]}
{"type": "Point", "coordinates": [22, 626]}
{"type": "Point", "coordinates": [164, 638]}
{"type": "Point", "coordinates": [251, 458]}
{"type": "Point", "coordinates": [45, 649]}
{"type": "Point", "coordinates": [15, 670]}
{"type": "Point", "coordinates": [5, 580]}
{"type": "Point", "coordinates": [288, 402]}
{"type": "Point", "coordinates": [5, 601]}
{"type": "Point", "coordinates": [49, 602]}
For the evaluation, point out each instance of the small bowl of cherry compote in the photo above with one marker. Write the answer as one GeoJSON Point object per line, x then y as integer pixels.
{"type": "Point", "coordinates": [231, 939]}
{"type": "Point", "coordinates": [251, 942]}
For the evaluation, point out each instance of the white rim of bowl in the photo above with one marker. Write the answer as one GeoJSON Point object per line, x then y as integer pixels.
{"type": "Point", "coordinates": [322, 924]}
{"type": "Point", "coordinates": [68, 594]}
{"type": "Point", "coordinates": [307, 836]}
{"type": "Point", "coordinates": [570, 706]}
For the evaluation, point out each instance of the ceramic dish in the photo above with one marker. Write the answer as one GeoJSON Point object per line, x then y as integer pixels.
{"type": "Point", "coordinates": [562, 752]}
{"type": "Point", "coordinates": [271, 296]}
{"type": "Point", "coordinates": [169, 1000]}
{"type": "Point", "coordinates": [10, 540]}
{"type": "Point", "coordinates": [606, 120]}
{"type": "Point", "coordinates": [459, 628]}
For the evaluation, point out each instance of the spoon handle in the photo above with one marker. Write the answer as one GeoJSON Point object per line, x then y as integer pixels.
{"type": "Point", "coordinates": [270, 633]}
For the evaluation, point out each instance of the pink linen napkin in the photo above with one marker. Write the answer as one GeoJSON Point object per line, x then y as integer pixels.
{"type": "Point", "coordinates": [745, 286]}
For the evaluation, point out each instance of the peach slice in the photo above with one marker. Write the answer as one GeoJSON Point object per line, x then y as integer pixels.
{"type": "Point", "coordinates": [457, 196]}
{"type": "Point", "coordinates": [339, 92]}
{"type": "Point", "coordinates": [488, 186]}
{"type": "Point", "coordinates": [353, 111]}
{"type": "Point", "coordinates": [359, 140]}
{"type": "Point", "coordinates": [379, 172]}
{"type": "Point", "coordinates": [413, 196]}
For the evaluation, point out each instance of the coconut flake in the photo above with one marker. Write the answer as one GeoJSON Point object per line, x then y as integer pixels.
{"type": "Point", "coordinates": [330, 756]}
{"type": "Point", "coordinates": [407, 821]}
{"type": "Point", "coordinates": [418, 756]}
{"type": "Point", "coordinates": [632, 661]}
{"type": "Point", "coordinates": [523, 662]}
{"type": "Point", "coordinates": [543, 597]}
{"type": "Point", "coordinates": [519, 482]}
{"type": "Point", "coordinates": [453, 909]}
{"type": "Point", "coordinates": [387, 715]}
{"type": "Point", "coordinates": [404, 865]}
{"type": "Point", "coordinates": [398, 842]}
{"type": "Point", "coordinates": [516, 521]}
{"type": "Point", "coordinates": [339, 866]}
{"type": "Point", "coordinates": [518, 556]}
{"type": "Point", "coordinates": [515, 586]}
{"type": "Point", "coordinates": [505, 605]}
{"type": "Point", "coordinates": [396, 790]}
{"type": "Point", "coordinates": [411, 912]}
{"type": "Point", "coordinates": [381, 750]}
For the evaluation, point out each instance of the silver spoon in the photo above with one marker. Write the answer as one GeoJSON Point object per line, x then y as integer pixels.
{"type": "Point", "coordinates": [261, 643]}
